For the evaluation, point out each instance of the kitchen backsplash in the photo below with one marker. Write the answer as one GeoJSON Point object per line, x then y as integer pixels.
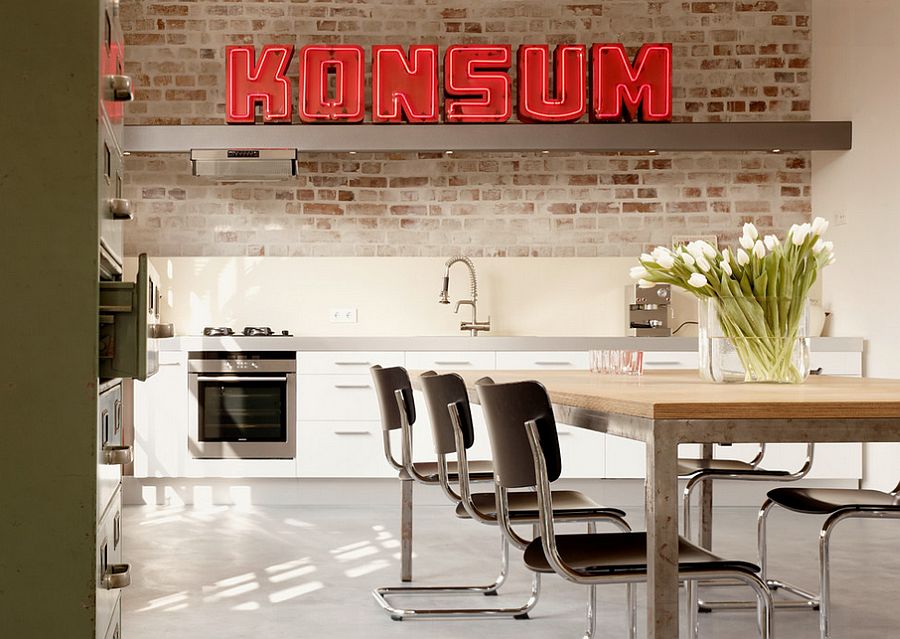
{"type": "Point", "coordinates": [522, 204]}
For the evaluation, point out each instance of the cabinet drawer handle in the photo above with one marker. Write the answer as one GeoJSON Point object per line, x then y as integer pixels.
{"type": "Point", "coordinates": [342, 386]}
{"type": "Point", "coordinates": [449, 363]}
{"type": "Point", "coordinates": [562, 433]}
{"type": "Point", "coordinates": [120, 208]}
{"type": "Point", "coordinates": [352, 432]}
{"type": "Point", "coordinates": [553, 363]}
{"type": "Point", "coordinates": [672, 363]}
{"type": "Point", "coordinates": [118, 455]}
{"type": "Point", "coordinates": [815, 371]}
{"type": "Point", "coordinates": [120, 89]}
{"type": "Point", "coordinates": [353, 363]}
{"type": "Point", "coordinates": [171, 364]}
{"type": "Point", "coordinates": [117, 576]}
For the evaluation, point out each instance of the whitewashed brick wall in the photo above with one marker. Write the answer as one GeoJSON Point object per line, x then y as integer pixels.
{"type": "Point", "coordinates": [733, 61]}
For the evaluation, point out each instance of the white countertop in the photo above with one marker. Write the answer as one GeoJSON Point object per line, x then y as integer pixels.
{"type": "Point", "coordinates": [461, 343]}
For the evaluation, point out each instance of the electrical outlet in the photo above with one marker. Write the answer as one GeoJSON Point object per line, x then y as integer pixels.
{"type": "Point", "coordinates": [840, 218]}
{"type": "Point", "coordinates": [342, 315]}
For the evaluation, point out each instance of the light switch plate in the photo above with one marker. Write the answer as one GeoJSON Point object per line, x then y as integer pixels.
{"type": "Point", "coordinates": [342, 315]}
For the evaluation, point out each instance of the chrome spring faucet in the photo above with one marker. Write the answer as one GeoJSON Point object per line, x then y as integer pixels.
{"type": "Point", "coordinates": [474, 326]}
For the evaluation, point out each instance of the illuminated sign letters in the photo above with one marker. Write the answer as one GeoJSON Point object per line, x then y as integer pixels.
{"type": "Point", "coordinates": [558, 85]}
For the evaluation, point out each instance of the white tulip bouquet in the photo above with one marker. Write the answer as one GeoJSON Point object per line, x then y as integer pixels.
{"type": "Point", "coordinates": [759, 290]}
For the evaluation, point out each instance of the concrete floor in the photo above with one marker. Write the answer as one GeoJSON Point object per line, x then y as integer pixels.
{"type": "Point", "coordinates": [306, 572]}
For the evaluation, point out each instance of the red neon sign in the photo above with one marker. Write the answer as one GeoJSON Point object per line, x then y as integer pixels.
{"type": "Point", "coordinates": [477, 85]}
{"type": "Point", "coordinates": [317, 64]}
{"type": "Point", "coordinates": [644, 89]}
{"type": "Point", "coordinates": [247, 84]}
{"type": "Point", "coordinates": [477, 95]}
{"type": "Point", "coordinates": [405, 88]}
{"type": "Point", "coordinates": [569, 94]}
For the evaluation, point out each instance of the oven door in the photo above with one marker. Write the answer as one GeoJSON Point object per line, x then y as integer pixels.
{"type": "Point", "coordinates": [242, 416]}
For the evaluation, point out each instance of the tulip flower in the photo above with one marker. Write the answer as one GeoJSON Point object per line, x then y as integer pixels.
{"type": "Point", "coordinates": [666, 261]}
{"type": "Point", "coordinates": [819, 226]}
{"type": "Point", "coordinates": [771, 241]}
{"type": "Point", "coordinates": [798, 236]}
{"type": "Point", "coordinates": [818, 247]}
{"type": "Point", "coordinates": [646, 257]}
{"type": "Point", "coordinates": [759, 249]}
{"type": "Point", "coordinates": [688, 259]}
{"type": "Point", "coordinates": [746, 242]}
{"type": "Point", "coordinates": [638, 272]}
{"type": "Point", "coordinates": [725, 266]}
{"type": "Point", "coordinates": [645, 284]}
{"type": "Point", "coordinates": [742, 258]}
{"type": "Point", "coordinates": [698, 280]}
{"type": "Point", "coordinates": [703, 264]}
{"type": "Point", "coordinates": [750, 231]}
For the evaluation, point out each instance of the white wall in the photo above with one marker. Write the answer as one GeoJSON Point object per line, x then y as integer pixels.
{"type": "Point", "coordinates": [856, 76]}
{"type": "Point", "coordinates": [398, 296]}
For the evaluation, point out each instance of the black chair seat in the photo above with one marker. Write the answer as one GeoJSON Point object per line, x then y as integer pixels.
{"type": "Point", "coordinates": [524, 506]}
{"type": "Point", "coordinates": [609, 553]}
{"type": "Point", "coordinates": [824, 501]}
{"type": "Point", "coordinates": [688, 466]}
{"type": "Point", "coordinates": [481, 470]}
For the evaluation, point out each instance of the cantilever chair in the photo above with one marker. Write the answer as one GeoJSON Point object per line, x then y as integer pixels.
{"type": "Point", "coordinates": [398, 411]}
{"type": "Point", "coordinates": [837, 504]}
{"type": "Point", "coordinates": [453, 432]}
{"type": "Point", "coordinates": [526, 455]}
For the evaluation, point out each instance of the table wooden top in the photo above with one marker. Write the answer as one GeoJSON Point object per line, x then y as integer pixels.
{"type": "Point", "coordinates": [683, 395]}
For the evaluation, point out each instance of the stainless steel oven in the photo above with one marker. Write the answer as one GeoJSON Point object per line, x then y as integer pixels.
{"type": "Point", "coordinates": [242, 405]}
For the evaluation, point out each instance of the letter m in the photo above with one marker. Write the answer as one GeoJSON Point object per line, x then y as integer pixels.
{"type": "Point", "coordinates": [248, 84]}
{"type": "Point", "coordinates": [625, 91]}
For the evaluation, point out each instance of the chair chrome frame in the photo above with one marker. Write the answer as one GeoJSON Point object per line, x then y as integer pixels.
{"type": "Point", "coordinates": [381, 594]}
{"type": "Point", "coordinates": [820, 602]}
{"type": "Point", "coordinates": [551, 552]}
{"type": "Point", "coordinates": [698, 477]}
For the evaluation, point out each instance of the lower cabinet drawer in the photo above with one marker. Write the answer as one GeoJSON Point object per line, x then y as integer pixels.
{"type": "Point", "coordinates": [336, 397]}
{"type": "Point", "coordinates": [342, 449]}
{"type": "Point", "coordinates": [111, 574]}
{"type": "Point", "coordinates": [547, 361]}
{"type": "Point", "coordinates": [450, 360]}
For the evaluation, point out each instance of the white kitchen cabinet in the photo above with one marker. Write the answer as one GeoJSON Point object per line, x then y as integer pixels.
{"type": "Point", "coordinates": [338, 419]}
{"type": "Point", "coordinates": [161, 419]}
{"type": "Point", "coordinates": [583, 452]}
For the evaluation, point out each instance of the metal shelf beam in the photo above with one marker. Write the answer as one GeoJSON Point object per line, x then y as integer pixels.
{"type": "Point", "coordinates": [386, 138]}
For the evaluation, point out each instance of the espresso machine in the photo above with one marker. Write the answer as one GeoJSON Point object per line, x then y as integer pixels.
{"type": "Point", "coordinates": [648, 310]}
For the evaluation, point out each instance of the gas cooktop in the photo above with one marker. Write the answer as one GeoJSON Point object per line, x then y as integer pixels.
{"type": "Point", "coordinates": [249, 331]}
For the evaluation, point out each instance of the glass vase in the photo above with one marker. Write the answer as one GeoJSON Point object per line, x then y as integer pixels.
{"type": "Point", "coordinates": [753, 339]}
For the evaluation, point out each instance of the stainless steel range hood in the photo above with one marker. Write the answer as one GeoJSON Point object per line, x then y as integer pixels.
{"type": "Point", "coordinates": [239, 165]}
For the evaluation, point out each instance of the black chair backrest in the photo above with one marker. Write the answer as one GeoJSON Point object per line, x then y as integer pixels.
{"type": "Point", "coordinates": [387, 382]}
{"type": "Point", "coordinates": [440, 391]}
{"type": "Point", "coordinates": [506, 409]}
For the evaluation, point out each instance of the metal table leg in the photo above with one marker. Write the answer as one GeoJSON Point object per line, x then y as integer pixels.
{"type": "Point", "coordinates": [662, 536]}
{"type": "Point", "coordinates": [406, 527]}
{"type": "Point", "coordinates": [706, 503]}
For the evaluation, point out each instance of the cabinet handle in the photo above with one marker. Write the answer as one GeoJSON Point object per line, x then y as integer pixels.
{"type": "Point", "coordinates": [118, 455]}
{"type": "Point", "coordinates": [171, 364]}
{"type": "Point", "coordinates": [353, 363]}
{"type": "Point", "coordinates": [815, 371]}
{"type": "Point", "coordinates": [120, 208]}
{"type": "Point", "coordinates": [562, 433]}
{"type": "Point", "coordinates": [352, 432]}
{"type": "Point", "coordinates": [117, 576]}
{"type": "Point", "coordinates": [120, 88]}
{"type": "Point", "coordinates": [449, 363]}
{"type": "Point", "coordinates": [553, 363]}
{"type": "Point", "coordinates": [343, 386]}
{"type": "Point", "coordinates": [672, 363]}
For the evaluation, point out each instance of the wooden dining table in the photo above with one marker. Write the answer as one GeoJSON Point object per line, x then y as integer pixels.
{"type": "Point", "coordinates": [667, 408]}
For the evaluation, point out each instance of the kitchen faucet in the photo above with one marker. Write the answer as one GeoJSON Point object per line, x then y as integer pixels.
{"type": "Point", "coordinates": [474, 326]}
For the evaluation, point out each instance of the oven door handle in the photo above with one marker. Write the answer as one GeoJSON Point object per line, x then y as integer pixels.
{"type": "Point", "coordinates": [237, 378]}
